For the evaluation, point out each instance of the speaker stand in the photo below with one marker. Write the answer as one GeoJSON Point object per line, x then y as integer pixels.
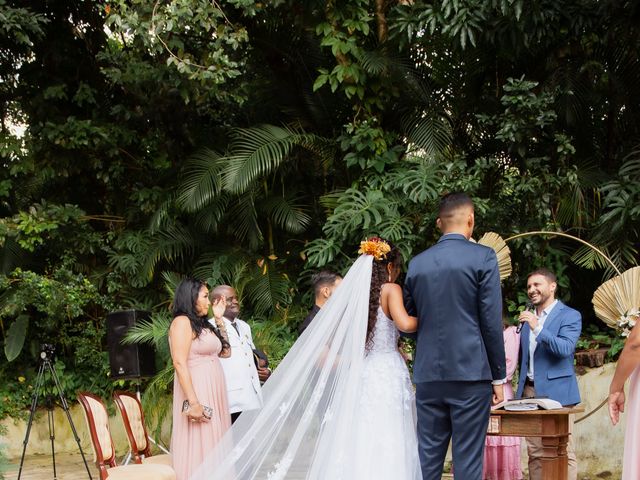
{"type": "Point", "coordinates": [129, 456]}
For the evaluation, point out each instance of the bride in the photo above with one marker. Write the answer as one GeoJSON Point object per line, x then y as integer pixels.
{"type": "Point", "coordinates": [340, 405]}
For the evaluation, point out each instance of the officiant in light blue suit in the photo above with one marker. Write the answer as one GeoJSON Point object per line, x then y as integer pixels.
{"type": "Point", "coordinates": [547, 345]}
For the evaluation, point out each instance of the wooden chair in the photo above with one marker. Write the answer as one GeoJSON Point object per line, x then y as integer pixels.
{"type": "Point", "coordinates": [133, 418]}
{"type": "Point", "coordinates": [97, 420]}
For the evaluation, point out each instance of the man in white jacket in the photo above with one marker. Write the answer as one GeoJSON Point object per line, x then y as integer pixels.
{"type": "Point", "coordinates": [242, 377]}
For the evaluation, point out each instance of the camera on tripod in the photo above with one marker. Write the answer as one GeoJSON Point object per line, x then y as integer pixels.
{"type": "Point", "coordinates": [47, 351]}
{"type": "Point", "coordinates": [47, 354]}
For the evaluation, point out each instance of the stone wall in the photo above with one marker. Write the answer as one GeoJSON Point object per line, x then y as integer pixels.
{"type": "Point", "coordinates": [40, 443]}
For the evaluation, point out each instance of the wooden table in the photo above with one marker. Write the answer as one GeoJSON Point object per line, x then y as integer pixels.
{"type": "Point", "coordinates": [551, 425]}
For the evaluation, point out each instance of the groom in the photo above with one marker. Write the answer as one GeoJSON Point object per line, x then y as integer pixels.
{"type": "Point", "coordinates": [454, 289]}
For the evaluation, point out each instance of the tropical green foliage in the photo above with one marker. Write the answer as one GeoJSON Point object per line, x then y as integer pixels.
{"type": "Point", "coordinates": [251, 143]}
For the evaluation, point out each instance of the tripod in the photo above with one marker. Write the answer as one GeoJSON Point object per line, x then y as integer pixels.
{"type": "Point", "coordinates": [46, 355]}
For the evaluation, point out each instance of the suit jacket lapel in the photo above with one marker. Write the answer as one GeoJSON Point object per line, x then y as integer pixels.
{"type": "Point", "coordinates": [524, 341]}
{"type": "Point", "coordinates": [554, 314]}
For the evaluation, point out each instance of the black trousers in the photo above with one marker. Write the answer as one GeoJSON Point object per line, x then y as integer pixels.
{"type": "Point", "coordinates": [457, 411]}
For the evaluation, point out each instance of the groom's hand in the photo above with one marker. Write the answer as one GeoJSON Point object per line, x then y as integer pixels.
{"type": "Point", "coordinates": [498, 394]}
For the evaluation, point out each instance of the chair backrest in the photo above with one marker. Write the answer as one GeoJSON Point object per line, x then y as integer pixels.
{"type": "Point", "coordinates": [133, 419]}
{"type": "Point", "coordinates": [95, 413]}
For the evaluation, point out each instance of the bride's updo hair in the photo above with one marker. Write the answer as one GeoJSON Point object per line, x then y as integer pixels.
{"type": "Point", "coordinates": [384, 253]}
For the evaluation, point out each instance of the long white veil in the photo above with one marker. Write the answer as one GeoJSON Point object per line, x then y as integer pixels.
{"type": "Point", "coordinates": [310, 401]}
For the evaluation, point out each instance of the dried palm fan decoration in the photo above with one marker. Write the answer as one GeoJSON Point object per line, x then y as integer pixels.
{"type": "Point", "coordinates": [495, 241]}
{"type": "Point", "coordinates": [617, 301]}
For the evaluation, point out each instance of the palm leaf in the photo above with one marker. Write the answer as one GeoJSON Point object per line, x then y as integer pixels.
{"type": "Point", "coordinates": [430, 131]}
{"type": "Point", "coordinates": [11, 255]}
{"type": "Point", "coordinates": [274, 337]}
{"type": "Point", "coordinates": [171, 282]}
{"type": "Point", "coordinates": [618, 296]}
{"type": "Point", "coordinates": [268, 291]}
{"type": "Point", "coordinates": [495, 241]}
{"type": "Point", "coordinates": [170, 244]}
{"type": "Point", "coordinates": [16, 336]}
{"type": "Point", "coordinates": [287, 213]}
{"type": "Point", "coordinates": [243, 220]}
{"type": "Point", "coordinates": [259, 150]}
{"type": "Point", "coordinates": [587, 257]}
{"type": "Point", "coordinates": [208, 219]}
{"type": "Point", "coordinates": [163, 216]}
{"type": "Point", "coordinates": [156, 401]}
{"type": "Point", "coordinates": [221, 266]}
{"type": "Point", "coordinates": [202, 180]}
{"type": "Point", "coordinates": [153, 331]}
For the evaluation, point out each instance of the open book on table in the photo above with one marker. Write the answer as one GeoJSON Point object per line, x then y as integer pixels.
{"type": "Point", "coordinates": [525, 404]}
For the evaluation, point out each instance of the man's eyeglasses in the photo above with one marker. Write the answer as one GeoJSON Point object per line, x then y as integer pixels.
{"type": "Point", "coordinates": [228, 299]}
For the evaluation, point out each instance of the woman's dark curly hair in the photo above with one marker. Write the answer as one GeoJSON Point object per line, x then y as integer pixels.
{"type": "Point", "coordinates": [379, 276]}
{"type": "Point", "coordinates": [184, 303]}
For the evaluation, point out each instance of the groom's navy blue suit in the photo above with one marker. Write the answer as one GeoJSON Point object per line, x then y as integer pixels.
{"type": "Point", "coordinates": [454, 289]}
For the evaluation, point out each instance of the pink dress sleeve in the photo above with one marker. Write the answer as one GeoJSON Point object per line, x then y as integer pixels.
{"type": "Point", "coordinates": [511, 349]}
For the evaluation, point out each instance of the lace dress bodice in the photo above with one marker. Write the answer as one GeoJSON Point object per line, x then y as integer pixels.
{"type": "Point", "coordinates": [385, 336]}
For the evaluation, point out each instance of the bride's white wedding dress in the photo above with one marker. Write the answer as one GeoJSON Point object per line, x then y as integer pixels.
{"type": "Point", "coordinates": [385, 443]}
{"type": "Point", "coordinates": [332, 409]}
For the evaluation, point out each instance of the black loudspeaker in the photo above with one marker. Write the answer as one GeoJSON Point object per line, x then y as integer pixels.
{"type": "Point", "coordinates": [128, 360]}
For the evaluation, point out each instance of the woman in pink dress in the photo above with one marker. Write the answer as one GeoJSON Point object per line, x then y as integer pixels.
{"type": "Point", "coordinates": [200, 408]}
{"type": "Point", "coordinates": [628, 365]}
{"type": "Point", "coordinates": [502, 454]}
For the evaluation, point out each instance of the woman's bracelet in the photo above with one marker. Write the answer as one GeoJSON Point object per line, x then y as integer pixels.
{"type": "Point", "coordinates": [223, 329]}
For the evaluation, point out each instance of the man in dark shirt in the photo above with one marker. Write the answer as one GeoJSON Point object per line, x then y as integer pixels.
{"type": "Point", "coordinates": [324, 283]}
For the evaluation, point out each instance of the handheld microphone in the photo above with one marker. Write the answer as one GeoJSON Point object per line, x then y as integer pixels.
{"type": "Point", "coordinates": [528, 306]}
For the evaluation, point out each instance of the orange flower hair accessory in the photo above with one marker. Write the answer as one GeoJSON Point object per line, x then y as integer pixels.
{"type": "Point", "coordinates": [376, 247]}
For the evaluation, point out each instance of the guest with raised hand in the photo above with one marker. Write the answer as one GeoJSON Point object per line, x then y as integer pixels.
{"type": "Point", "coordinates": [243, 377]}
{"type": "Point", "coordinates": [628, 366]}
{"type": "Point", "coordinates": [200, 407]}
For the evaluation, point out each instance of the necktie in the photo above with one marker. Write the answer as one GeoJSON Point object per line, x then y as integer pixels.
{"type": "Point", "coordinates": [235, 325]}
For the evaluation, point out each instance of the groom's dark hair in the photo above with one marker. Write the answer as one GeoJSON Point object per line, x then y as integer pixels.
{"type": "Point", "coordinates": [452, 202]}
